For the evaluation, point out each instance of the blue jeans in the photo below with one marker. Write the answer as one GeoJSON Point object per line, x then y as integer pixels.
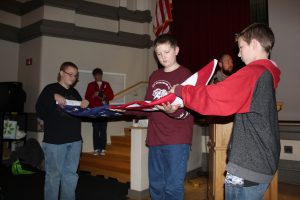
{"type": "Point", "coordinates": [99, 134]}
{"type": "Point", "coordinates": [256, 192]}
{"type": "Point", "coordinates": [167, 166]}
{"type": "Point", "coordinates": [61, 163]}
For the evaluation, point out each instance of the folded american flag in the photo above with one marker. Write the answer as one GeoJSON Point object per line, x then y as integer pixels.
{"type": "Point", "coordinates": [73, 108]}
{"type": "Point", "coordinates": [202, 77]}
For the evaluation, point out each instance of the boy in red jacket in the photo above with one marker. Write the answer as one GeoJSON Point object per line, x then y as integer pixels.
{"type": "Point", "coordinates": [254, 147]}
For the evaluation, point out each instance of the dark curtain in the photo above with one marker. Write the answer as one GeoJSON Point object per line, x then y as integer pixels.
{"type": "Point", "coordinates": [259, 11]}
{"type": "Point", "coordinates": [206, 29]}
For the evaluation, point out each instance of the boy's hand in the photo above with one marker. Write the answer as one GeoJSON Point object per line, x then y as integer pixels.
{"type": "Point", "coordinates": [84, 103]}
{"type": "Point", "coordinates": [118, 110]}
{"type": "Point", "coordinates": [61, 101]}
{"type": "Point", "coordinates": [168, 108]}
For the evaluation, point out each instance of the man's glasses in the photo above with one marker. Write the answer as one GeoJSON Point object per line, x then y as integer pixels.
{"type": "Point", "coordinates": [71, 75]}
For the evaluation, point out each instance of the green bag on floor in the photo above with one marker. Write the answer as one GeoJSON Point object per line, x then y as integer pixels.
{"type": "Point", "coordinates": [17, 168]}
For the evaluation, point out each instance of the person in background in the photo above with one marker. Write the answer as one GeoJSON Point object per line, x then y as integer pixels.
{"type": "Point", "coordinates": [62, 134]}
{"type": "Point", "coordinates": [99, 93]}
{"type": "Point", "coordinates": [254, 147]}
{"type": "Point", "coordinates": [225, 69]}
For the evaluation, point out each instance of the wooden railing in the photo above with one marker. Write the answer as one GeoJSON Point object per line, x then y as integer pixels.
{"type": "Point", "coordinates": [129, 89]}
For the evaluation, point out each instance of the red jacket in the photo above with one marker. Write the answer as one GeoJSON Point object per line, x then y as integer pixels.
{"type": "Point", "coordinates": [231, 96]}
{"type": "Point", "coordinates": [96, 101]}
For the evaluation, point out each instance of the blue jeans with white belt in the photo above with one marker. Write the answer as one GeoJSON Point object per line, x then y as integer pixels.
{"type": "Point", "coordinates": [239, 192]}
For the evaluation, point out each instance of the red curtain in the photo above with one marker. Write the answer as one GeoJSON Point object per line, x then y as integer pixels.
{"type": "Point", "coordinates": [206, 29]}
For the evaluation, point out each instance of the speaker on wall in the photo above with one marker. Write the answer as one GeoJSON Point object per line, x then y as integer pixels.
{"type": "Point", "coordinates": [12, 97]}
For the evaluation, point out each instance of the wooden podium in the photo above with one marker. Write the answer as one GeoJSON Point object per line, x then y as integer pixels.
{"type": "Point", "coordinates": [217, 144]}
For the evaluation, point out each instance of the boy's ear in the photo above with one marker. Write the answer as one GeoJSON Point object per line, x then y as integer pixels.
{"type": "Point", "coordinates": [254, 43]}
{"type": "Point", "coordinates": [176, 50]}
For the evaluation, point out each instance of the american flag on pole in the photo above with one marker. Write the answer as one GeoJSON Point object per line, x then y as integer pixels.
{"type": "Point", "coordinates": [163, 17]}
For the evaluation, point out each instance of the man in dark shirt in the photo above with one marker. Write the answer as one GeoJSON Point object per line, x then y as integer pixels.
{"type": "Point", "coordinates": [226, 69]}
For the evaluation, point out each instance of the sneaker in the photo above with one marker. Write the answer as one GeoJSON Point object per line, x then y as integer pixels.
{"type": "Point", "coordinates": [96, 152]}
{"type": "Point", "coordinates": [102, 153]}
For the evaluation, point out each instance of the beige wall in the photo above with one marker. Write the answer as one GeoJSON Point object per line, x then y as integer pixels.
{"type": "Point", "coordinates": [10, 19]}
{"type": "Point", "coordinates": [9, 56]}
{"type": "Point", "coordinates": [29, 75]}
{"type": "Point", "coordinates": [129, 4]}
{"type": "Point", "coordinates": [284, 17]}
{"type": "Point", "coordinates": [88, 55]}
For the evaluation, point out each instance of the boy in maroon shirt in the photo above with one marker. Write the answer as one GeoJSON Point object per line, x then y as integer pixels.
{"type": "Point", "coordinates": [169, 132]}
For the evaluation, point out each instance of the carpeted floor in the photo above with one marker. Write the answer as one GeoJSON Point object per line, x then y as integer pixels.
{"type": "Point", "coordinates": [30, 187]}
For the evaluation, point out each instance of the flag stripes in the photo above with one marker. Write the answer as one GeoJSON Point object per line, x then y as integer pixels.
{"type": "Point", "coordinates": [163, 17]}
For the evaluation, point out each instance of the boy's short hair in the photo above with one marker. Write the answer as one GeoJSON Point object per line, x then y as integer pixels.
{"type": "Point", "coordinates": [165, 38]}
{"type": "Point", "coordinates": [67, 64]}
{"type": "Point", "coordinates": [261, 32]}
{"type": "Point", "coordinates": [97, 71]}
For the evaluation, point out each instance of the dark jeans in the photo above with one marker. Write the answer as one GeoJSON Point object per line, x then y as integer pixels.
{"type": "Point", "coordinates": [99, 134]}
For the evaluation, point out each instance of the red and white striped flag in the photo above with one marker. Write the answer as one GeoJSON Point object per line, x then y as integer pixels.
{"type": "Point", "coordinates": [163, 17]}
{"type": "Point", "coordinates": [202, 77]}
